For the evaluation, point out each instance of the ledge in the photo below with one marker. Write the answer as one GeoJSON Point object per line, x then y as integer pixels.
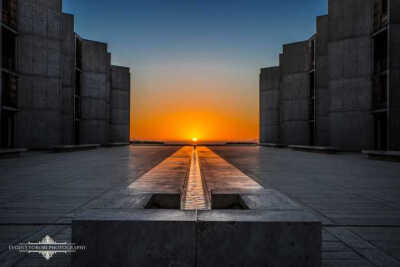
{"type": "Point", "coordinates": [273, 145]}
{"type": "Point", "coordinates": [116, 144]}
{"type": "Point", "coordinates": [382, 155]}
{"type": "Point", "coordinates": [317, 149]}
{"type": "Point", "coordinates": [11, 153]}
{"type": "Point", "coordinates": [72, 148]}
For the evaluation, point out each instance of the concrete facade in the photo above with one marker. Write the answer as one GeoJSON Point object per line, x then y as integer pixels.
{"type": "Point", "coordinates": [269, 102]}
{"type": "Point", "coordinates": [119, 107]}
{"type": "Point", "coordinates": [63, 93]}
{"type": "Point", "coordinates": [350, 80]}
{"type": "Point", "coordinates": [294, 97]}
{"type": "Point", "coordinates": [321, 84]}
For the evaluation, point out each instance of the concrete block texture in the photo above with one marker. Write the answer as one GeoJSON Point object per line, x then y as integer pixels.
{"type": "Point", "coordinates": [136, 238]}
{"type": "Point", "coordinates": [351, 130]}
{"type": "Point", "coordinates": [284, 238]}
{"type": "Point", "coordinates": [349, 18]}
{"type": "Point", "coordinates": [120, 104]}
{"type": "Point", "coordinates": [394, 12]}
{"type": "Point", "coordinates": [294, 93]}
{"type": "Point", "coordinates": [94, 56]}
{"type": "Point", "coordinates": [269, 104]}
{"type": "Point", "coordinates": [295, 58]}
{"type": "Point", "coordinates": [68, 78]}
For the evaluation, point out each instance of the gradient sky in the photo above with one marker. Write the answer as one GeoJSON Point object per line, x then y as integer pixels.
{"type": "Point", "coordinates": [195, 63]}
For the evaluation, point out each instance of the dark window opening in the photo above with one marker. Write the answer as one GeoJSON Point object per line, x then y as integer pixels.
{"type": "Point", "coordinates": [8, 49]}
{"type": "Point", "coordinates": [9, 13]}
{"type": "Point", "coordinates": [379, 93]}
{"type": "Point", "coordinates": [9, 90]}
{"type": "Point", "coordinates": [164, 201]}
{"type": "Point", "coordinates": [311, 109]}
{"type": "Point", "coordinates": [380, 131]}
{"type": "Point", "coordinates": [78, 53]}
{"type": "Point", "coordinates": [228, 202]}
{"type": "Point", "coordinates": [7, 129]}
{"type": "Point", "coordinates": [381, 52]}
{"type": "Point", "coordinates": [384, 7]}
{"type": "Point", "coordinates": [312, 53]}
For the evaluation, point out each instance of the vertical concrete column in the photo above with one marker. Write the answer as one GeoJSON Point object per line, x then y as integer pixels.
{"type": "Point", "coordinates": [93, 125]}
{"type": "Point", "coordinates": [294, 94]}
{"type": "Point", "coordinates": [39, 120]}
{"type": "Point", "coordinates": [322, 82]}
{"type": "Point", "coordinates": [394, 75]}
{"type": "Point", "coordinates": [269, 105]}
{"type": "Point", "coordinates": [68, 78]}
{"type": "Point", "coordinates": [1, 76]}
{"type": "Point", "coordinates": [350, 69]}
{"type": "Point", "coordinates": [120, 104]}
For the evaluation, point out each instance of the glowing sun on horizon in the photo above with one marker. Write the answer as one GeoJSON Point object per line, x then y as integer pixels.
{"type": "Point", "coordinates": [194, 139]}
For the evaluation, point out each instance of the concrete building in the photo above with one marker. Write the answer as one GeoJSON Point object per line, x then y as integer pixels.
{"type": "Point", "coordinates": [56, 86]}
{"type": "Point", "coordinates": [338, 88]}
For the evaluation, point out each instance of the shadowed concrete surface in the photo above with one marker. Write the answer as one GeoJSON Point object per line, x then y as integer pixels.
{"type": "Point", "coordinates": [357, 198]}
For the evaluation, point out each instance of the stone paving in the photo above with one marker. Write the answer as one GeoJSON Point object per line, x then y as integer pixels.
{"type": "Point", "coordinates": [356, 198]}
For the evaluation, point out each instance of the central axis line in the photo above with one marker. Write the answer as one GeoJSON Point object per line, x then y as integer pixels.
{"type": "Point", "coordinates": [195, 195]}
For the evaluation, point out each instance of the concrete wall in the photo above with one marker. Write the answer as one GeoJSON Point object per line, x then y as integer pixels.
{"type": "Point", "coordinates": [294, 96]}
{"type": "Point", "coordinates": [349, 52]}
{"type": "Point", "coordinates": [269, 105]}
{"type": "Point", "coordinates": [68, 78]}
{"type": "Point", "coordinates": [120, 104]}
{"type": "Point", "coordinates": [95, 73]}
{"type": "Point", "coordinates": [394, 76]}
{"type": "Point", "coordinates": [322, 82]}
{"type": "Point", "coordinates": [1, 76]}
{"type": "Point", "coordinates": [38, 123]}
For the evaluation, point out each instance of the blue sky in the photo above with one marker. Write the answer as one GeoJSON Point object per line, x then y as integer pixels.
{"type": "Point", "coordinates": [186, 39]}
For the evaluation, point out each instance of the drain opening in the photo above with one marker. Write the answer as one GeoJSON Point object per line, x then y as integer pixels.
{"type": "Point", "coordinates": [164, 201]}
{"type": "Point", "coordinates": [228, 202]}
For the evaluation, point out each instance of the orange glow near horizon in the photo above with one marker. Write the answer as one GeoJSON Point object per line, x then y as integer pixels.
{"type": "Point", "coordinates": [186, 102]}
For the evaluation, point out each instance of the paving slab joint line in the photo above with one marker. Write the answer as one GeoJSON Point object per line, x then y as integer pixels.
{"type": "Point", "coordinates": [388, 260]}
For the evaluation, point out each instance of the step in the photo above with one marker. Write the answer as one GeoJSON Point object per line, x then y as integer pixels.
{"type": "Point", "coordinates": [276, 145]}
{"type": "Point", "coordinates": [72, 148]}
{"type": "Point", "coordinates": [317, 149]}
{"type": "Point", "coordinates": [12, 152]}
{"type": "Point", "coordinates": [116, 144]}
{"type": "Point", "coordinates": [382, 155]}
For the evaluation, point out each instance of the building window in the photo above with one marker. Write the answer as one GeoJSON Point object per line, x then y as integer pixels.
{"type": "Point", "coordinates": [9, 90]}
{"type": "Point", "coordinates": [8, 49]}
{"type": "Point", "coordinates": [384, 7]}
{"type": "Point", "coordinates": [9, 13]}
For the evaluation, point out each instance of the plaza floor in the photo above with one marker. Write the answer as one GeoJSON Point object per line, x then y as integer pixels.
{"type": "Point", "coordinates": [357, 199]}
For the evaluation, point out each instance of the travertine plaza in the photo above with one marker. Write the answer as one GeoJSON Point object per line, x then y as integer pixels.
{"type": "Point", "coordinates": [339, 88]}
{"type": "Point", "coordinates": [57, 88]}
{"type": "Point", "coordinates": [356, 199]}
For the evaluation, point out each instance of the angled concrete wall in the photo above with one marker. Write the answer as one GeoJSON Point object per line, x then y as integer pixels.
{"type": "Point", "coordinates": [294, 94]}
{"type": "Point", "coordinates": [394, 75]}
{"type": "Point", "coordinates": [269, 105]}
{"type": "Point", "coordinates": [350, 86]}
{"type": "Point", "coordinates": [38, 123]}
{"type": "Point", "coordinates": [1, 76]}
{"type": "Point", "coordinates": [322, 82]}
{"type": "Point", "coordinates": [68, 78]}
{"type": "Point", "coordinates": [120, 104]}
{"type": "Point", "coordinates": [95, 73]}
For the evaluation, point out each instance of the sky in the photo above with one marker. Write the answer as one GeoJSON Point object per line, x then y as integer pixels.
{"type": "Point", "coordinates": [195, 64]}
